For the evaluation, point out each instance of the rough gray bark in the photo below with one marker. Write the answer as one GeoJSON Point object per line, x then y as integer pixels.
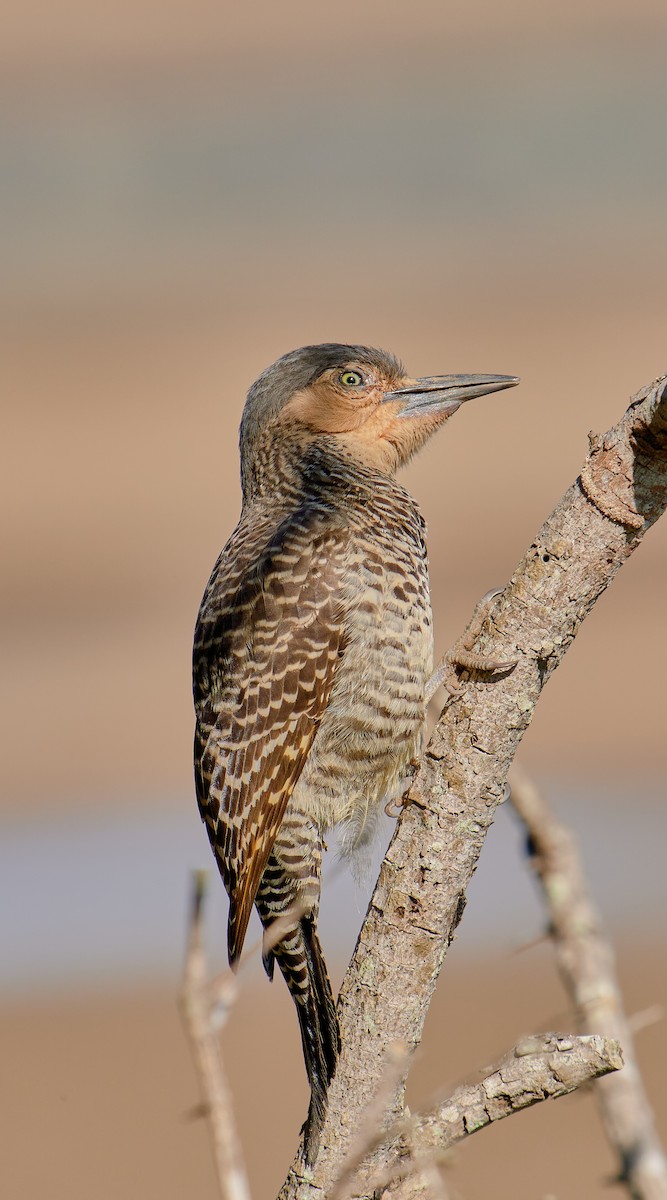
{"type": "Point", "coordinates": [420, 895]}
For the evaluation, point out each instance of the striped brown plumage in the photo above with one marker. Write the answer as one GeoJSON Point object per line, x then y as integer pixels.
{"type": "Point", "coordinates": [312, 651]}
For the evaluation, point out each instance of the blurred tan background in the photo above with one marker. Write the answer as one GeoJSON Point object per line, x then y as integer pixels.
{"type": "Point", "coordinates": [188, 190]}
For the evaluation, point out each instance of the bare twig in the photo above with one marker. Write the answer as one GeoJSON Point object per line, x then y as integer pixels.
{"type": "Point", "coordinates": [645, 1018]}
{"type": "Point", "coordinates": [420, 896]}
{"type": "Point", "coordinates": [543, 1067]}
{"type": "Point", "coordinates": [586, 962]}
{"type": "Point", "coordinates": [204, 1014]}
{"type": "Point", "coordinates": [410, 1177]}
{"type": "Point", "coordinates": [372, 1132]}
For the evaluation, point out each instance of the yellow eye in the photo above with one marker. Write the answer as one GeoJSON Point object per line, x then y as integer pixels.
{"type": "Point", "coordinates": [351, 378]}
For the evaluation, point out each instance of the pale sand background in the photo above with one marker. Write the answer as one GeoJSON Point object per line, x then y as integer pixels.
{"type": "Point", "coordinates": [189, 190]}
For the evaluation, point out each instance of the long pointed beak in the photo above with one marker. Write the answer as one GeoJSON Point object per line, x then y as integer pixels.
{"type": "Point", "coordinates": [446, 393]}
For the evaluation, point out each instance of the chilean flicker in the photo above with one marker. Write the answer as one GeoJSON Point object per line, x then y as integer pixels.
{"type": "Point", "coordinates": [313, 649]}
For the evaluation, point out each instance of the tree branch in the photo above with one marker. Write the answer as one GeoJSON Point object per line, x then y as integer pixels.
{"type": "Point", "coordinates": [544, 1067]}
{"type": "Point", "coordinates": [586, 962]}
{"type": "Point", "coordinates": [420, 895]}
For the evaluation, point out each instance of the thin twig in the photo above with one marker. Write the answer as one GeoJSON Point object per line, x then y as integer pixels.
{"type": "Point", "coordinates": [372, 1132]}
{"type": "Point", "coordinates": [404, 1179]}
{"type": "Point", "coordinates": [586, 962]}
{"type": "Point", "coordinates": [204, 1015]}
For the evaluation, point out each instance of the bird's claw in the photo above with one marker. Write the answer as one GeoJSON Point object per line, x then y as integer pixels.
{"type": "Point", "coordinates": [400, 799]}
{"type": "Point", "coordinates": [470, 661]}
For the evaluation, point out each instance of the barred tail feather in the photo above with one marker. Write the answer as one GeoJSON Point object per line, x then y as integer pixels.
{"type": "Point", "coordinates": [301, 961]}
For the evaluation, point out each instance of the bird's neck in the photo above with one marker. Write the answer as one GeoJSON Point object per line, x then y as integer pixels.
{"type": "Point", "coordinates": [344, 481]}
{"type": "Point", "coordinates": [282, 477]}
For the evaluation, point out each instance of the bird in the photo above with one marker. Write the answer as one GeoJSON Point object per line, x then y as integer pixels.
{"type": "Point", "coordinates": [313, 650]}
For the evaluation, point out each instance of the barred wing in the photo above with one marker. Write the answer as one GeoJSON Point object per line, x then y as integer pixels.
{"type": "Point", "coordinates": [268, 642]}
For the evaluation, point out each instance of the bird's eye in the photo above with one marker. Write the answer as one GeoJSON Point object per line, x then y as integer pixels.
{"type": "Point", "coordinates": [351, 378]}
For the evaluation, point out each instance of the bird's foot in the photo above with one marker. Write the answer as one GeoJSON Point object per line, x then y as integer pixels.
{"type": "Point", "coordinates": [462, 655]}
{"type": "Point", "coordinates": [400, 797]}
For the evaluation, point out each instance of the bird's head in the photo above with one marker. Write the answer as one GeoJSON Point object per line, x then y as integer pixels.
{"type": "Point", "coordinates": [359, 399]}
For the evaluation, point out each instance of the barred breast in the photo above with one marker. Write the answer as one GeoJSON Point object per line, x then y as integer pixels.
{"type": "Point", "coordinates": [373, 725]}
